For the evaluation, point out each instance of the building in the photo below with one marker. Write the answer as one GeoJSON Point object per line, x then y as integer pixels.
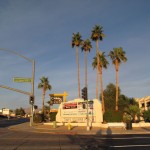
{"type": "Point", "coordinates": [5, 112]}
{"type": "Point", "coordinates": [144, 103]}
{"type": "Point", "coordinates": [1, 111]}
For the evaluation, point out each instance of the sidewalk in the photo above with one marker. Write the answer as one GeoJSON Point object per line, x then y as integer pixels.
{"type": "Point", "coordinates": [40, 128]}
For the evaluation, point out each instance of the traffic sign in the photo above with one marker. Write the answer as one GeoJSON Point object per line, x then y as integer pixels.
{"type": "Point", "coordinates": [19, 79]}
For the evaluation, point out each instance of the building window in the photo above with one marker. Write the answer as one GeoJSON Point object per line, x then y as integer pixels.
{"type": "Point", "coordinates": [143, 105]}
{"type": "Point", "coordinates": [148, 104]}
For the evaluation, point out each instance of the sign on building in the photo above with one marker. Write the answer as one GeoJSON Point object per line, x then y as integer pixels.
{"type": "Point", "coordinates": [77, 109]}
{"type": "Point", "coordinates": [58, 98]}
{"type": "Point", "coordinates": [6, 111]}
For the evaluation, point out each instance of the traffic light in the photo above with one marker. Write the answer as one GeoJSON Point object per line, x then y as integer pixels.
{"type": "Point", "coordinates": [31, 100]}
{"type": "Point", "coordinates": [35, 107]}
{"type": "Point", "coordinates": [84, 93]}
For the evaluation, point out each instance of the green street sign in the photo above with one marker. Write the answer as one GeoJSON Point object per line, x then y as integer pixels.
{"type": "Point", "coordinates": [18, 79]}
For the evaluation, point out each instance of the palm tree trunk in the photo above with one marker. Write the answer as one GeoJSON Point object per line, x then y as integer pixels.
{"type": "Point", "coordinates": [97, 69]}
{"type": "Point", "coordinates": [78, 71]}
{"type": "Point", "coordinates": [102, 94]}
{"type": "Point", "coordinates": [96, 83]}
{"type": "Point", "coordinates": [85, 61]}
{"type": "Point", "coordinates": [43, 97]}
{"type": "Point", "coordinates": [49, 112]}
{"type": "Point", "coordinates": [117, 67]}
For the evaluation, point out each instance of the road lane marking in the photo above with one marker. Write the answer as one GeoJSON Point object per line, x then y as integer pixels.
{"type": "Point", "coordinates": [124, 138]}
{"type": "Point", "coordinates": [131, 146]}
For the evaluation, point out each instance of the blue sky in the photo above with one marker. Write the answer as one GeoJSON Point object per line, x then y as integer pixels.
{"type": "Point", "coordinates": [42, 30]}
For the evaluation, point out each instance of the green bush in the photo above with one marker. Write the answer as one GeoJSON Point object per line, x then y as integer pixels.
{"type": "Point", "coordinates": [127, 118]}
{"type": "Point", "coordinates": [113, 116]}
{"type": "Point", "coordinates": [146, 116]}
{"type": "Point", "coordinates": [37, 118]}
{"type": "Point", "coordinates": [53, 116]}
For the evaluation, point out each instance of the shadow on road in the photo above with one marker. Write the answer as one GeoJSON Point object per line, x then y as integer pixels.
{"type": "Point", "coordinates": [87, 142]}
{"type": "Point", "coordinates": [147, 129]}
{"type": "Point", "coordinates": [13, 121]}
{"type": "Point", "coordinates": [109, 132]}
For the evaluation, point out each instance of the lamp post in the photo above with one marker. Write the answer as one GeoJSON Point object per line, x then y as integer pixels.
{"type": "Point", "coordinates": [32, 82]}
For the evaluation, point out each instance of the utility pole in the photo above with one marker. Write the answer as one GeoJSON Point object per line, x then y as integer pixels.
{"type": "Point", "coordinates": [32, 82]}
{"type": "Point", "coordinates": [85, 97]}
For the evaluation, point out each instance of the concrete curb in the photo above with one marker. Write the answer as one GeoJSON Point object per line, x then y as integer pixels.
{"type": "Point", "coordinates": [39, 128]}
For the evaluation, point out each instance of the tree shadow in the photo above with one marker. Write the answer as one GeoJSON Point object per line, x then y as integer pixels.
{"type": "Point", "coordinates": [99, 132]}
{"type": "Point", "coordinates": [147, 129]}
{"type": "Point", "coordinates": [11, 122]}
{"type": "Point", "coordinates": [96, 141]}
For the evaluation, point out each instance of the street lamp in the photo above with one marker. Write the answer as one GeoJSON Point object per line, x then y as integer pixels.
{"type": "Point", "coordinates": [32, 82]}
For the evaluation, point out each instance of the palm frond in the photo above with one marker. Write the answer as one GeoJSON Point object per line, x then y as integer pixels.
{"type": "Point", "coordinates": [44, 83]}
{"type": "Point", "coordinates": [86, 45]}
{"type": "Point", "coordinates": [102, 61]}
{"type": "Point", "coordinates": [118, 54]}
{"type": "Point", "coordinates": [97, 33]}
{"type": "Point", "coordinates": [76, 39]}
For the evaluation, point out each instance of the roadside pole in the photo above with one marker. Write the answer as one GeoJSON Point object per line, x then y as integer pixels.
{"type": "Point", "coordinates": [31, 117]}
{"type": "Point", "coordinates": [33, 76]}
{"type": "Point", "coordinates": [88, 128]}
{"type": "Point", "coordinates": [32, 82]}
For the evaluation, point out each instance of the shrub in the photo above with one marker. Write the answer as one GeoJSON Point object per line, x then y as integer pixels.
{"type": "Point", "coordinates": [53, 116]}
{"type": "Point", "coordinates": [133, 111]}
{"type": "Point", "coordinates": [112, 116]}
{"type": "Point", "coordinates": [127, 117]}
{"type": "Point", "coordinates": [146, 116]}
{"type": "Point", "coordinates": [37, 118]}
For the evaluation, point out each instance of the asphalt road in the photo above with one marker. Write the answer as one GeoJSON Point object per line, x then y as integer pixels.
{"type": "Point", "coordinates": [12, 121]}
{"type": "Point", "coordinates": [24, 140]}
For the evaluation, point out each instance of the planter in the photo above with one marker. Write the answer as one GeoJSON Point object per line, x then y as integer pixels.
{"type": "Point", "coordinates": [129, 125]}
{"type": "Point", "coordinates": [54, 124]}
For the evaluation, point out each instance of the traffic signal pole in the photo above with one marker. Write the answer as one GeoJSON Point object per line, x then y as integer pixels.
{"type": "Point", "coordinates": [33, 76]}
{"type": "Point", "coordinates": [31, 117]}
{"type": "Point", "coordinates": [87, 127]}
{"type": "Point", "coordinates": [85, 97]}
{"type": "Point", "coordinates": [31, 102]}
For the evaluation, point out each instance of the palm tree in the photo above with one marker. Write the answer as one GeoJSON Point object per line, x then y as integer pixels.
{"type": "Point", "coordinates": [133, 110]}
{"type": "Point", "coordinates": [103, 63]}
{"type": "Point", "coordinates": [86, 46]}
{"type": "Point", "coordinates": [97, 34]}
{"type": "Point", "coordinates": [76, 41]}
{"type": "Point", "coordinates": [44, 85]}
{"type": "Point", "coordinates": [117, 55]}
